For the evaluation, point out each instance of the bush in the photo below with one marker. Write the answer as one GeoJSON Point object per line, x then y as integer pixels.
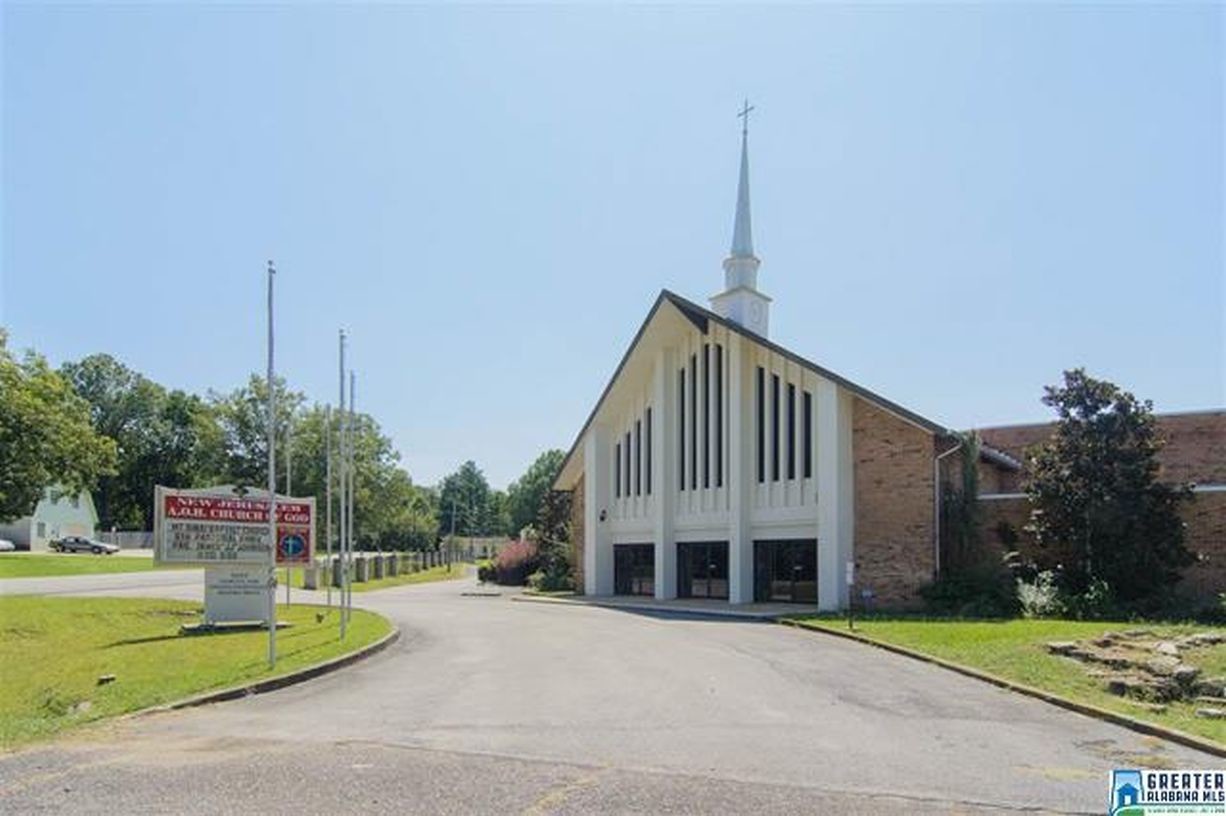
{"type": "Point", "coordinates": [1040, 598]}
{"type": "Point", "coordinates": [980, 592]}
{"type": "Point", "coordinates": [515, 562]}
{"type": "Point", "coordinates": [552, 577]}
{"type": "Point", "coordinates": [486, 573]}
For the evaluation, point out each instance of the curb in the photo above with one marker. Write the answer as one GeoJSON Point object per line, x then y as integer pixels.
{"type": "Point", "coordinates": [280, 681]}
{"type": "Point", "coordinates": [1150, 729]}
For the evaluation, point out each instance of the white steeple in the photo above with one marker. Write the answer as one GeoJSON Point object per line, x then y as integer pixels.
{"type": "Point", "coordinates": [741, 302]}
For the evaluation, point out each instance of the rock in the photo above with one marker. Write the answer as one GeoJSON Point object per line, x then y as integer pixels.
{"type": "Point", "coordinates": [1167, 647]}
{"type": "Point", "coordinates": [1185, 675]}
{"type": "Point", "coordinates": [1212, 713]}
{"type": "Point", "coordinates": [1213, 701]}
{"type": "Point", "coordinates": [1136, 633]}
{"type": "Point", "coordinates": [106, 678]}
{"type": "Point", "coordinates": [82, 707]}
{"type": "Point", "coordinates": [1061, 647]}
{"type": "Point", "coordinates": [1163, 665]}
{"type": "Point", "coordinates": [1212, 687]}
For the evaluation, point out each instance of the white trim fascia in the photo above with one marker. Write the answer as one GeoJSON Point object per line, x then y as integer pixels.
{"type": "Point", "coordinates": [1209, 488]}
{"type": "Point", "coordinates": [1000, 496]}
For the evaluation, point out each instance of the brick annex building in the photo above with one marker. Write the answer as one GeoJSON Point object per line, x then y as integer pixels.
{"type": "Point", "coordinates": [717, 464]}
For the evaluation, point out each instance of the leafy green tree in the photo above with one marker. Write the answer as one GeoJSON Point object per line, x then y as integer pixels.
{"type": "Point", "coordinates": [525, 494]}
{"type": "Point", "coordinates": [552, 531]}
{"type": "Point", "coordinates": [46, 435]}
{"type": "Point", "coordinates": [243, 417]}
{"type": "Point", "coordinates": [466, 504]}
{"type": "Point", "coordinates": [167, 438]}
{"type": "Point", "coordinates": [1096, 496]}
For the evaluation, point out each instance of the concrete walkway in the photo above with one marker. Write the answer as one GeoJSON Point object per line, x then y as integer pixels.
{"type": "Point", "coordinates": [694, 607]}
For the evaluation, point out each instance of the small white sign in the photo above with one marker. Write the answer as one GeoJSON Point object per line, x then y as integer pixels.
{"type": "Point", "coordinates": [851, 573]}
{"type": "Point", "coordinates": [236, 593]}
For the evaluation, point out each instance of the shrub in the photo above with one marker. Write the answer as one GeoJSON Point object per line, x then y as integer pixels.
{"type": "Point", "coordinates": [515, 562]}
{"type": "Point", "coordinates": [486, 573]}
{"type": "Point", "coordinates": [1040, 598]}
{"type": "Point", "coordinates": [986, 591]}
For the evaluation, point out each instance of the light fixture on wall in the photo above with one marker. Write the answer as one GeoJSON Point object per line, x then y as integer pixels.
{"type": "Point", "coordinates": [604, 514]}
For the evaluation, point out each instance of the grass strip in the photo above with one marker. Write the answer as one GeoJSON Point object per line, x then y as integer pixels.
{"type": "Point", "coordinates": [54, 650]}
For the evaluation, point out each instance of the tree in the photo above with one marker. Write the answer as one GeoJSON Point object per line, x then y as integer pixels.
{"type": "Point", "coordinates": [243, 417]}
{"type": "Point", "coordinates": [465, 503]}
{"type": "Point", "coordinates": [46, 435]}
{"type": "Point", "coordinates": [553, 531]}
{"type": "Point", "coordinates": [167, 438]}
{"type": "Point", "coordinates": [1096, 496]}
{"type": "Point", "coordinates": [525, 494]}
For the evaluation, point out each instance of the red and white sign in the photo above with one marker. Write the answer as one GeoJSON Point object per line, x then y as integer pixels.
{"type": "Point", "coordinates": [214, 528]}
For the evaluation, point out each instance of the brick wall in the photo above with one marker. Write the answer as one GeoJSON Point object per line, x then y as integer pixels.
{"type": "Point", "coordinates": [893, 505]}
{"type": "Point", "coordinates": [576, 534]}
{"type": "Point", "coordinates": [1204, 535]}
{"type": "Point", "coordinates": [1195, 449]}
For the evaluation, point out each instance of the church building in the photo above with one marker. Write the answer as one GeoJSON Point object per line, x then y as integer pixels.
{"type": "Point", "coordinates": [718, 464]}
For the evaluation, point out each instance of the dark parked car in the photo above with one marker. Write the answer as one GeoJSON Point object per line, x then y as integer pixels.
{"type": "Point", "coordinates": [74, 544]}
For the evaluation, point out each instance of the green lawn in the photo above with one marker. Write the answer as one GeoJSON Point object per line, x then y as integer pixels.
{"type": "Point", "coordinates": [458, 570]}
{"type": "Point", "coordinates": [40, 565]}
{"type": "Point", "coordinates": [1016, 650]}
{"type": "Point", "coordinates": [53, 650]}
{"type": "Point", "coordinates": [426, 576]}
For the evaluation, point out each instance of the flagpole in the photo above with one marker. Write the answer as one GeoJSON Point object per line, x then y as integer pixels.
{"type": "Point", "coordinates": [341, 484]}
{"type": "Point", "coordinates": [272, 484]}
{"type": "Point", "coordinates": [352, 473]}
{"type": "Point", "coordinates": [289, 490]}
{"type": "Point", "coordinates": [328, 498]}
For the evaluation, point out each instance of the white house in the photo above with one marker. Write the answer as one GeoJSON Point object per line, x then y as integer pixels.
{"type": "Point", "coordinates": [55, 516]}
{"type": "Point", "coordinates": [718, 464]}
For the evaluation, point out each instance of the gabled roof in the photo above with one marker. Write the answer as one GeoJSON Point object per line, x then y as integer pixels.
{"type": "Point", "coordinates": [702, 320]}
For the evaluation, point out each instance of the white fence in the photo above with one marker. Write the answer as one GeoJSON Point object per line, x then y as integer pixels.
{"type": "Point", "coordinates": [128, 539]}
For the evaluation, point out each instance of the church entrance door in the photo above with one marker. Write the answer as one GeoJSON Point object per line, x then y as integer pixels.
{"type": "Point", "coordinates": [785, 571]}
{"type": "Point", "coordinates": [702, 569]}
{"type": "Point", "coordinates": [634, 569]}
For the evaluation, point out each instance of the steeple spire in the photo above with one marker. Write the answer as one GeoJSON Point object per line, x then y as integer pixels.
{"type": "Point", "coordinates": [742, 230]}
{"type": "Point", "coordinates": [741, 302]}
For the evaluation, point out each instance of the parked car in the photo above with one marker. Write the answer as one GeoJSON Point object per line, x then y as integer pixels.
{"type": "Point", "coordinates": [75, 544]}
{"type": "Point", "coordinates": [6, 545]}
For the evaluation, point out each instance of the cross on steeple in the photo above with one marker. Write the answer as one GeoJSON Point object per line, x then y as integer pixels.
{"type": "Point", "coordinates": [744, 117]}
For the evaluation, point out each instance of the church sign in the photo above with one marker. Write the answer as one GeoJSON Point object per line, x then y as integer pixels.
{"type": "Point", "coordinates": [215, 528]}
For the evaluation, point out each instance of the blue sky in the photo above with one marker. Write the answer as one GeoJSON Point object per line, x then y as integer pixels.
{"type": "Point", "coordinates": [952, 203]}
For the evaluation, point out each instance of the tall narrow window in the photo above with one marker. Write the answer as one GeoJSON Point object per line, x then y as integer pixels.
{"type": "Point", "coordinates": [761, 411]}
{"type": "Point", "coordinates": [627, 463]}
{"type": "Point", "coordinates": [617, 470]}
{"type": "Point", "coordinates": [647, 474]}
{"type": "Point", "coordinates": [638, 457]}
{"type": "Point", "coordinates": [774, 427]}
{"type": "Point", "coordinates": [706, 415]}
{"type": "Point", "coordinates": [719, 415]}
{"type": "Point", "coordinates": [791, 431]}
{"type": "Point", "coordinates": [807, 435]}
{"type": "Point", "coordinates": [693, 422]}
{"type": "Point", "coordinates": [681, 428]}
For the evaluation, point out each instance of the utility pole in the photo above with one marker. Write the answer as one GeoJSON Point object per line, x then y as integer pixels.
{"type": "Point", "coordinates": [272, 484]}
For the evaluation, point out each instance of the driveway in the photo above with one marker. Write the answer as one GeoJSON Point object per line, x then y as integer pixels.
{"type": "Point", "coordinates": [485, 705]}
